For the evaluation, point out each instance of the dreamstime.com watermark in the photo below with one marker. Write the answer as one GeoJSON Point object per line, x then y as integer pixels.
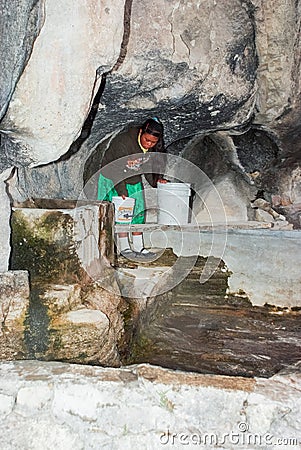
{"type": "Point", "coordinates": [240, 437]}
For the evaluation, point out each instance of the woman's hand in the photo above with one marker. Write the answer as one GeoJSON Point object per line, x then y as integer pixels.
{"type": "Point", "coordinates": [162, 180]}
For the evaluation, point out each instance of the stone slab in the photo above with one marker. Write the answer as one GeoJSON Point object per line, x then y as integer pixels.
{"type": "Point", "coordinates": [265, 263]}
{"type": "Point", "coordinates": [66, 406]}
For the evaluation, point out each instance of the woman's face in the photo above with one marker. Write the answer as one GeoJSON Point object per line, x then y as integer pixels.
{"type": "Point", "coordinates": [148, 140]}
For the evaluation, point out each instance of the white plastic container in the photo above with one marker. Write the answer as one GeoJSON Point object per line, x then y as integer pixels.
{"type": "Point", "coordinates": [173, 203]}
{"type": "Point", "coordinates": [124, 209]}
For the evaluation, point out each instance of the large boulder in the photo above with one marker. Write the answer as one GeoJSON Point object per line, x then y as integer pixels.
{"type": "Point", "coordinates": [54, 93]}
{"type": "Point", "coordinates": [22, 21]}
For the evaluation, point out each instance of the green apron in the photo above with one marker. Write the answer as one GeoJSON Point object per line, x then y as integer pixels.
{"type": "Point", "coordinates": [106, 191]}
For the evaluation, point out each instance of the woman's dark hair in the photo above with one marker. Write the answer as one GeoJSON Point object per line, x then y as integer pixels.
{"type": "Point", "coordinates": [154, 127]}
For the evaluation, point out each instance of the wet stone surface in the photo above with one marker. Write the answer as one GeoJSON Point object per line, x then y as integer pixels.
{"type": "Point", "coordinates": [36, 323]}
{"type": "Point", "coordinates": [198, 327]}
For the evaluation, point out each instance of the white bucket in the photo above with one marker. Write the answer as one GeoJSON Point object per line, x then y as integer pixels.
{"type": "Point", "coordinates": [124, 209]}
{"type": "Point", "coordinates": [173, 203]}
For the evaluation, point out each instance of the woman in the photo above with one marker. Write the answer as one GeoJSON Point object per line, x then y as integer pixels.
{"type": "Point", "coordinates": [126, 159]}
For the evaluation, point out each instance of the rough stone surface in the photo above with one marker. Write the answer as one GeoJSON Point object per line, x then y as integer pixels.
{"type": "Point", "coordinates": [5, 213]}
{"type": "Point", "coordinates": [82, 335]}
{"type": "Point", "coordinates": [256, 258]}
{"type": "Point", "coordinates": [108, 301]}
{"type": "Point", "coordinates": [14, 302]}
{"type": "Point", "coordinates": [200, 67]}
{"type": "Point", "coordinates": [183, 324]}
{"type": "Point", "coordinates": [234, 203]}
{"type": "Point", "coordinates": [20, 25]}
{"type": "Point", "coordinates": [66, 406]}
{"type": "Point", "coordinates": [71, 315]}
{"type": "Point", "coordinates": [55, 240]}
{"type": "Point", "coordinates": [54, 93]}
{"type": "Point", "coordinates": [208, 57]}
{"type": "Point", "coordinates": [204, 54]}
{"type": "Point", "coordinates": [277, 41]}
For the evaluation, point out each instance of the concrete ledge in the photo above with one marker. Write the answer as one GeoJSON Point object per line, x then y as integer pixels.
{"type": "Point", "coordinates": [66, 406]}
{"type": "Point", "coordinates": [192, 228]}
{"type": "Point", "coordinates": [264, 262]}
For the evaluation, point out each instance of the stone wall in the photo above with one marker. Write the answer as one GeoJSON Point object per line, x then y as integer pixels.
{"type": "Point", "coordinates": [69, 315]}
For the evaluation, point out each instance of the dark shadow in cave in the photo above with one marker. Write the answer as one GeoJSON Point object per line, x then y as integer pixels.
{"type": "Point", "coordinates": [256, 149]}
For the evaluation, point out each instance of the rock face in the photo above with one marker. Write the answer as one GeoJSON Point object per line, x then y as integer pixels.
{"type": "Point", "coordinates": [83, 335]}
{"type": "Point", "coordinates": [208, 327]}
{"type": "Point", "coordinates": [14, 302]}
{"type": "Point", "coordinates": [224, 78]}
{"type": "Point", "coordinates": [201, 67]}
{"type": "Point", "coordinates": [70, 315]}
{"type": "Point", "coordinates": [198, 66]}
{"type": "Point", "coordinates": [193, 54]}
{"type": "Point", "coordinates": [56, 86]}
{"type": "Point", "coordinates": [21, 22]}
{"type": "Point", "coordinates": [278, 73]}
{"type": "Point", "coordinates": [5, 222]}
